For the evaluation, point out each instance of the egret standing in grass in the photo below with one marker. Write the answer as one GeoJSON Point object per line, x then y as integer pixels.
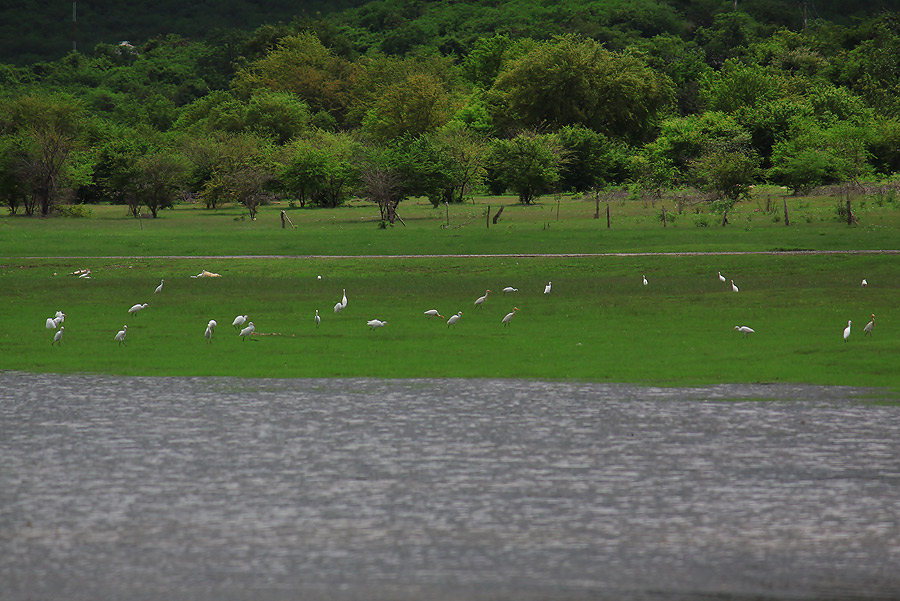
{"type": "Point", "coordinates": [139, 307]}
{"type": "Point", "coordinates": [433, 313]}
{"type": "Point", "coordinates": [209, 333]}
{"type": "Point", "coordinates": [376, 323]}
{"type": "Point", "coordinates": [239, 321]}
{"type": "Point", "coordinates": [847, 330]}
{"type": "Point", "coordinates": [509, 289]}
{"type": "Point", "coordinates": [480, 300]}
{"type": "Point", "coordinates": [744, 330]}
{"type": "Point", "coordinates": [338, 307]}
{"type": "Point", "coordinates": [864, 283]}
{"type": "Point", "coordinates": [212, 324]}
{"type": "Point", "coordinates": [120, 336]}
{"type": "Point", "coordinates": [57, 339]}
{"type": "Point", "coordinates": [734, 287]}
{"type": "Point", "coordinates": [869, 327]}
{"type": "Point", "coordinates": [247, 331]}
{"type": "Point", "coordinates": [51, 323]}
{"type": "Point", "coordinates": [547, 288]}
{"type": "Point", "coordinates": [508, 318]}
{"type": "Point", "coordinates": [453, 319]}
{"type": "Point", "coordinates": [645, 279]}
{"type": "Point", "coordinates": [721, 277]}
{"type": "Point", "coordinates": [160, 287]}
{"type": "Point", "coordinates": [344, 299]}
{"type": "Point", "coordinates": [317, 318]}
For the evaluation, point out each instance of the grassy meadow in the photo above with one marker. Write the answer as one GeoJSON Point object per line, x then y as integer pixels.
{"type": "Point", "coordinates": [599, 323]}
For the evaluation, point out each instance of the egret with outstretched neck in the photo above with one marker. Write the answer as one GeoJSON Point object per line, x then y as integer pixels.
{"type": "Point", "coordinates": [744, 330]}
{"type": "Point", "coordinates": [508, 318]}
{"type": "Point", "coordinates": [160, 287]}
{"type": "Point", "coordinates": [433, 313]}
{"type": "Point", "coordinates": [869, 327]}
{"type": "Point", "coordinates": [376, 323]}
{"type": "Point", "coordinates": [239, 321]}
{"type": "Point", "coordinates": [480, 300]}
{"type": "Point", "coordinates": [139, 307]}
{"type": "Point", "coordinates": [120, 336]}
{"type": "Point", "coordinates": [847, 331]}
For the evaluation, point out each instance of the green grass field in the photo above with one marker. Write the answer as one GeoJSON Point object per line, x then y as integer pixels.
{"type": "Point", "coordinates": [599, 323]}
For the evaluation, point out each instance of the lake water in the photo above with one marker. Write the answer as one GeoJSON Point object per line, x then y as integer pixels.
{"type": "Point", "coordinates": [442, 490]}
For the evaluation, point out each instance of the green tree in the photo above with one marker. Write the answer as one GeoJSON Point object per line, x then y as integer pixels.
{"type": "Point", "coordinates": [573, 81]}
{"type": "Point", "coordinates": [158, 180]}
{"type": "Point", "coordinates": [323, 169]}
{"type": "Point", "coordinates": [592, 159]}
{"type": "Point", "coordinates": [530, 164]}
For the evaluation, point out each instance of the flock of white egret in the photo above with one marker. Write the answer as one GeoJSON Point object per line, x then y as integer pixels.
{"type": "Point", "coordinates": [247, 328]}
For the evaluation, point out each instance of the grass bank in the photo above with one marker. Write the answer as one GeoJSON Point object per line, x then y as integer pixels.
{"type": "Point", "coordinates": [599, 323]}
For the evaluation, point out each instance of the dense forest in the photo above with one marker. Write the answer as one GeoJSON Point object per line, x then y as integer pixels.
{"type": "Point", "coordinates": [399, 98]}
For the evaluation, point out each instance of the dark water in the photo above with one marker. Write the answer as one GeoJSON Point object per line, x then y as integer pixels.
{"type": "Point", "coordinates": [222, 489]}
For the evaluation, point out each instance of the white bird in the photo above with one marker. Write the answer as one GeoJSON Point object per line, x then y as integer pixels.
{"type": "Point", "coordinates": [317, 318]}
{"type": "Point", "coordinates": [733, 287]}
{"type": "Point", "coordinates": [160, 287]}
{"type": "Point", "coordinates": [212, 324]}
{"type": "Point", "coordinates": [864, 283]}
{"type": "Point", "coordinates": [744, 330]}
{"type": "Point", "coordinates": [120, 336]}
{"type": "Point", "coordinates": [376, 323]}
{"type": "Point", "coordinates": [247, 331]}
{"type": "Point", "coordinates": [239, 321]}
{"type": "Point", "coordinates": [509, 289]}
{"type": "Point", "coordinates": [453, 319]}
{"type": "Point", "coordinates": [480, 300]}
{"type": "Point", "coordinates": [508, 318]}
{"type": "Point", "coordinates": [338, 307]}
{"type": "Point", "coordinates": [869, 327]}
{"type": "Point", "coordinates": [318, 277]}
{"type": "Point", "coordinates": [209, 333]}
{"type": "Point", "coordinates": [138, 307]}
{"type": "Point", "coordinates": [645, 279]}
{"type": "Point", "coordinates": [721, 277]}
{"type": "Point", "coordinates": [847, 331]}
{"type": "Point", "coordinates": [344, 299]}
{"type": "Point", "coordinates": [51, 323]}
{"type": "Point", "coordinates": [547, 288]}
{"type": "Point", "coordinates": [433, 313]}
{"type": "Point", "coordinates": [86, 274]}
{"type": "Point", "coordinates": [60, 317]}
{"type": "Point", "coordinates": [58, 338]}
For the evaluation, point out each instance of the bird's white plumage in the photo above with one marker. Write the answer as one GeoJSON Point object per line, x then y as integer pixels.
{"type": "Point", "coordinates": [212, 324]}
{"type": "Point", "coordinates": [57, 339]}
{"type": "Point", "coordinates": [433, 313]}
{"type": "Point", "coordinates": [376, 323]}
{"type": "Point", "coordinates": [864, 283]}
{"type": "Point", "coordinates": [239, 321]}
{"type": "Point", "coordinates": [721, 277]}
{"type": "Point", "coordinates": [480, 300]}
{"type": "Point", "coordinates": [318, 319]}
{"type": "Point", "coordinates": [734, 286]}
{"type": "Point", "coordinates": [51, 323]}
{"type": "Point", "coordinates": [160, 287]}
{"type": "Point", "coordinates": [509, 289]}
{"type": "Point", "coordinates": [508, 317]}
{"type": "Point", "coordinates": [338, 307]}
{"type": "Point", "coordinates": [547, 288]}
{"type": "Point", "coordinates": [344, 299]}
{"type": "Point", "coordinates": [847, 330]}
{"type": "Point", "coordinates": [247, 331]}
{"type": "Point", "coordinates": [120, 335]}
{"type": "Point", "coordinates": [453, 319]}
{"type": "Point", "coordinates": [138, 307]}
{"type": "Point", "coordinates": [744, 330]}
{"type": "Point", "coordinates": [870, 327]}
{"type": "Point", "coordinates": [644, 279]}
{"type": "Point", "coordinates": [208, 334]}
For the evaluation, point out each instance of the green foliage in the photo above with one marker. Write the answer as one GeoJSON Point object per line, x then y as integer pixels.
{"type": "Point", "coordinates": [322, 169]}
{"type": "Point", "coordinates": [530, 164]}
{"type": "Point", "coordinates": [572, 81]}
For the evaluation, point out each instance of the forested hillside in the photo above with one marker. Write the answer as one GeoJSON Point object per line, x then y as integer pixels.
{"type": "Point", "coordinates": [443, 99]}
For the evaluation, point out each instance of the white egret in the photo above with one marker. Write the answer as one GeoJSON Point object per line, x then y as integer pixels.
{"type": "Point", "coordinates": [139, 307]}
{"type": "Point", "coordinates": [847, 331]}
{"type": "Point", "coordinates": [338, 307]}
{"type": "Point", "coordinates": [734, 287]}
{"type": "Point", "coordinates": [864, 283]}
{"type": "Point", "coordinates": [120, 336]}
{"type": "Point", "coordinates": [212, 324]}
{"type": "Point", "coordinates": [318, 277]}
{"type": "Point", "coordinates": [453, 319]}
{"type": "Point", "coordinates": [51, 323]}
{"type": "Point", "coordinates": [58, 338]}
{"type": "Point", "coordinates": [480, 300]}
{"type": "Point", "coordinates": [376, 323]}
{"type": "Point", "coordinates": [645, 279]}
{"type": "Point", "coordinates": [721, 277]}
{"type": "Point", "coordinates": [547, 288]}
{"type": "Point", "coordinates": [508, 318]}
{"type": "Point", "coordinates": [209, 333]}
{"type": "Point", "coordinates": [869, 327]}
{"type": "Point", "coordinates": [239, 321]}
{"type": "Point", "coordinates": [247, 331]}
{"type": "Point", "coordinates": [433, 313]}
{"type": "Point", "coordinates": [744, 330]}
{"type": "Point", "coordinates": [317, 318]}
{"type": "Point", "coordinates": [344, 299]}
{"type": "Point", "coordinates": [160, 287]}
{"type": "Point", "coordinates": [509, 289]}
{"type": "Point", "coordinates": [60, 317]}
{"type": "Point", "coordinates": [86, 274]}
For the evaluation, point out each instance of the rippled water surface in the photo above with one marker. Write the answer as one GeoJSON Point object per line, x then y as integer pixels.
{"type": "Point", "coordinates": [225, 489]}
